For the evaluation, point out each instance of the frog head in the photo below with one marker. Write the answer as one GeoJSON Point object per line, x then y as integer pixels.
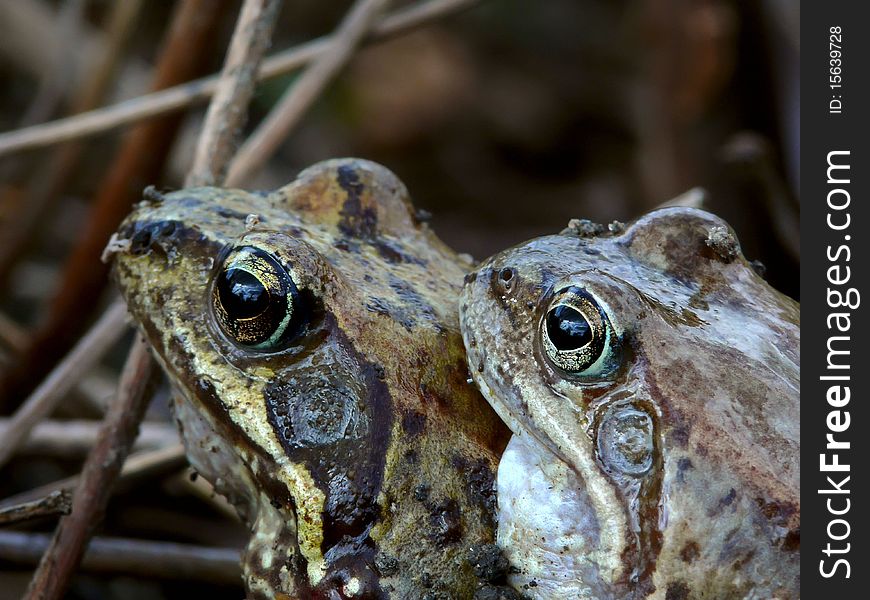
{"type": "Point", "coordinates": [312, 340]}
{"type": "Point", "coordinates": [650, 377]}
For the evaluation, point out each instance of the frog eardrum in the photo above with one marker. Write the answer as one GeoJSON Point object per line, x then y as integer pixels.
{"type": "Point", "coordinates": [255, 300]}
{"type": "Point", "coordinates": [577, 335]}
{"type": "Point", "coordinates": [625, 441]}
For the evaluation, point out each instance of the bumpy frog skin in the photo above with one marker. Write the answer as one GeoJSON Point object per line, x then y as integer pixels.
{"type": "Point", "coordinates": [650, 377]}
{"type": "Point", "coordinates": [339, 420]}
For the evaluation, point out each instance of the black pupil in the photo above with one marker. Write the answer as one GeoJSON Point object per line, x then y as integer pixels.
{"type": "Point", "coordinates": [242, 295]}
{"type": "Point", "coordinates": [568, 328]}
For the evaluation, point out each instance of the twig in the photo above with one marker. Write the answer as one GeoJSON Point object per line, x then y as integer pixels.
{"type": "Point", "coordinates": [275, 128]}
{"type": "Point", "coordinates": [120, 426]}
{"type": "Point", "coordinates": [182, 96]}
{"type": "Point", "coordinates": [56, 503]}
{"type": "Point", "coordinates": [228, 109]}
{"type": "Point", "coordinates": [45, 398]}
{"type": "Point", "coordinates": [73, 439]}
{"type": "Point", "coordinates": [139, 467]}
{"type": "Point", "coordinates": [134, 557]}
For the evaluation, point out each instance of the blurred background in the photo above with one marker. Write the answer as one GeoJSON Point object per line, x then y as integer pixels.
{"type": "Point", "coordinates": [504, 120]}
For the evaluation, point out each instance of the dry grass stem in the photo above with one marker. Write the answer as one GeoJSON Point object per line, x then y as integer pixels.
{"type": "Point", "coordinates": [144, 559]}
{"type": "Point", "coordinates": [12, 335]}
{"type": "Point", "coordinates": [199, 488]}
{"type": "Point", "coordinates": [67, 546]}
{"type": "Point", "coordinates": [693, 198]}
{"type": "Point", "coordinates": [86, 353]}
{"type": "Point", "coordinates": [55, 503]}
{"type": "Point", "coordinates": [228, 110]}
{"type": "Point", "coordinates": [275, 128]}
{"type": "Point", "coordinates": [71, 439]}
{"type": "Point", "coordinates": [139, 467]}
{"type": "Point", "coordinates": [200, 90]}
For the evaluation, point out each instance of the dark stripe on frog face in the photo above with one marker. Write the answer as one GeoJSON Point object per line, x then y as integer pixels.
{"type": "Point", "coordinates": [395, 252]}
{"type": "Point", "coordinates": [360, 222]}
{"type": "Point", "coordinates": [162, 236]}
{"type": "Point", "coordinates": [335, 417]}
{"type": "Point", "coordinates": [206, 396]}
{"type": "Point", "coordinates": [356, 220]}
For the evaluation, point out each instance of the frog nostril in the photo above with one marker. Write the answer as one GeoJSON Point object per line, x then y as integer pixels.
{"type": "Point", "coordinates": [503, 279]}
{"type": "Point", "coordinates": [166, 229]}
{"type": "Point", "coordinates": [140, 243]}
{"type": "Point", "coordinates": [153, 235]}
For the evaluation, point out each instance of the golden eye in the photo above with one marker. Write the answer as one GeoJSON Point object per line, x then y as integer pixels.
{"type": "Point", "coordinates": [255, 300]}
{"type": "Point", "coordinates": [577, 335]}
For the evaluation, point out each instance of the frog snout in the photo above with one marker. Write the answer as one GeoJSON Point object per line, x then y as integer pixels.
{"type": "Point", "coordinates": [145, 236]}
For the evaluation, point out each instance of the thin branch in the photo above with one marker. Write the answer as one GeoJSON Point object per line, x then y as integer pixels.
{"type": "Point", "coordinates": [200, 90]}
{"type": "Point", "coordinates": [228, 110]}
{"type": "Point", "coordinates": [102, 467]}
{"type": "Point", "coordinates": [51, 391]}
{"type": "Point", "coordinates": [139, 467]}
{"type": "Point", "coordinates": [56, 503]}
{"type": "Point", "coordinates": [74, 438]}
{"type": "Point", "coordinates": [275, 128]}
{"type": "Point", "coordinates": [141, 558]}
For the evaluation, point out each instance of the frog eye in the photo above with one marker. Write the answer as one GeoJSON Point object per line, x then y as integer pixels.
{"type": "Point", "coordinates": [256, 303]}
{"type": "Point", "coordinates": [577, 335]}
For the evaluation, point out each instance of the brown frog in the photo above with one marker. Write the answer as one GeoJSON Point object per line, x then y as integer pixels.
{"type": "Point", "coordinates": [650, 378]}
{"type": "Point", "coordinates": [311, 335]}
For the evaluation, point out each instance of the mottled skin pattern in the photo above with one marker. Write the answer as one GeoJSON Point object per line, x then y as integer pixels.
{"type": "Point", "coordinates": [709, 351]}
{"type": "Point", "coordinates": [360, 456]}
